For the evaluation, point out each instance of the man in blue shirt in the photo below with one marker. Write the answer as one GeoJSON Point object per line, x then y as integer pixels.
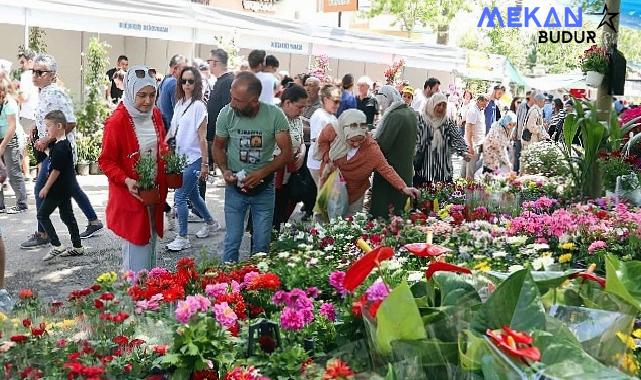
{"type": "Point", "coordinates": [492, 111]}
{"type": "Point", "coordinates": [548, 108]}
{"type": "Point", "coordinates": [167, 89]}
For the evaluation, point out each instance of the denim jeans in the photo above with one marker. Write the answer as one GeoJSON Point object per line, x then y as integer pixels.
{"type": "Point", "coordinates": [517, 156]}
{"type": "Point", "coordinates": [189, 191]}
{"type": "Point", "coordinates": [13, 161]}
{"type": "Point", "coordinates": [77, 194]}
{"type": "Point", "coordinates": [261, 206]}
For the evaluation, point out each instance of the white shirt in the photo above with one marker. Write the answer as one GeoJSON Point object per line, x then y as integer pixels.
{"type": "Point", "coordinates": [477, 117]}
{"type": "Point", "coordinates": [52, 98]}
{"type": "Point", "coordinates": [186, 121]}
{"type": "Point", "coordinates": [268, 80]}
{"type": "Point", "coordinates": [418, 103]}
{"type": "Point", "coordinates": [30, 94]}
{"type": "Point", "coordinates": [317, 122]}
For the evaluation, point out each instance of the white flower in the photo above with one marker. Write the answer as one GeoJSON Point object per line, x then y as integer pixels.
{"type": "Point", "coordinates": [283, 255]}
{"type": "Point", "coordinates": [539, 247]}
{"type": "Point", "coordinates": [300, 235]}
{"type": "Point", "coordinates": [391, 265]}
{"type": "Point", "coordinates": [260, 254]}
{"type": "Point", "coordinates": [514, 268]}
{"type": "Point", "coordinates": [499, 254]}
{"type": "Point", "coordinates": [517, 240]}
{"type": "Point", "coordinates": [329, 248]}
{"type": "Point", "coordinates": [291, 265]}
{"type": "Point", "coordinates": [296, 259]}
{"type": "Point", "coordinates": [542, 262]}
{"type": "Point", "coordinates": [415, 276]}
{"type": "Point", "coordinates": [313, 261]}
{"type": "Point", "coordinates": [464, 249]}
{"type": "Point", "coordinates": [262, 266]}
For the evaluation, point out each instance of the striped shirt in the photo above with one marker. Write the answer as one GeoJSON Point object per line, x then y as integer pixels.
{"type": "Point", "coordinates": [437, 162]}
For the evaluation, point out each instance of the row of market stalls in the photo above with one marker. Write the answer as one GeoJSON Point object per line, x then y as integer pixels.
{"type": "Point", "coordinates": [150, 31]}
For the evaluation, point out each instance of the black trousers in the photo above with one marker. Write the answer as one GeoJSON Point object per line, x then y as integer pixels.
{"type": "Point", "coordinates": [49, 205]}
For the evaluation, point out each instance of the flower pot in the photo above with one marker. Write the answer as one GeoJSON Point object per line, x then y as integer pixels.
{"type": "Point", "coordinates": [175, 180]}
{"type": "Point", "coordinates": [82, 168]}
{"type": "Point", "coordinates": [94, 169]}
{"type": "Point", "coordinates": [594, 78]}
{"type": "Point", "coordinates": [150, 197]}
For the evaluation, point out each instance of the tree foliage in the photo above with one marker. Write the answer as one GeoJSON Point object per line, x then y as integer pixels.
{"type": "Point", "coordinates": [629, 43]}
{"type": "Point", "coordinates": [94, 110]}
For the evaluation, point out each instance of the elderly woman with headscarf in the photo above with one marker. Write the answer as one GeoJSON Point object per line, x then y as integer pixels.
{"type": "Point", "coordinates": [534, 129]}
{"type": "Point", "coordinates": [496, 158]}
{"type": "Point", "coordinates": [134, 129]}
{"type": "Point", "coordinates": [396, 136]}
{"type": "Point", "coordinates": [349, 147]}
{"type": "Point", "coordinates": [438, 139]}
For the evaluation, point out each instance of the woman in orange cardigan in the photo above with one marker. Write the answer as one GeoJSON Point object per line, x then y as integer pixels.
{"type": "Point", "coordinates": [351, 149]}
{"type": "Point", "coordinates": [133, 129]}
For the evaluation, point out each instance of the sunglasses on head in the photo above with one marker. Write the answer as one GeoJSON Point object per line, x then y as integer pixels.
{"type": "Point", "coordinates": [140, 73]}
{"type": "Point", "coordinates": [40, 73]}
{"type": "Point", "coordinates": [185, 81]}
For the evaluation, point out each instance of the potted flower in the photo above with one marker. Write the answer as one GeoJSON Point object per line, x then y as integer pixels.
{"type": "Point", "coordinates": [174, 165]}
{"type": "Point", "coordinates": [146, 170]}
{"type": "Point", "coordinates": [594, 63]}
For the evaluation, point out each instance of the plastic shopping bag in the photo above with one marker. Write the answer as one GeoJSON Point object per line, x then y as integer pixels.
{"type": "Point", "coordinates": [332, 200]}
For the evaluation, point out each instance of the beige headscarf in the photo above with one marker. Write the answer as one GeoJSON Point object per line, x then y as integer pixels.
{"type": "Point", "coordinates": [345, 130]}
{"type": "Point", "coordinates": [433, 121]}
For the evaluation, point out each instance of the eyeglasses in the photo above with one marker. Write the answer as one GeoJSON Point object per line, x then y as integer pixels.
{"type": "Point", "coordinates": [140, 73]}
{"type": "Point", "coordinates": [40, 73]}
{"type": "Point", "coordinates": [185, 81]}
{"type": "Point", "coordinates": [212, 60]}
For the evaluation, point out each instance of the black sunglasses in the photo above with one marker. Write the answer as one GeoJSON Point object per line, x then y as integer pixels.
{"type": "Point", "coordinates": [185, 81]}
{"type": "Point", "coordinates": [40, 73]}
{"type": "Point", "coordinates": [140, 73]}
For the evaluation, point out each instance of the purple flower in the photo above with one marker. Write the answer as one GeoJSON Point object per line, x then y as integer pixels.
{"type": "Point", "coordinates": [337, 279]}
{"type": "Point", "coordinates": [225, 315]}
{"type": "Point", "coordinates": [184, 311]}
{"type": "Point", "coordinates": [377, 292]}
{"type": "Point", "coordinates": [291, 319]}
{"type": "Point", "coordinates": [596, 246]}
{"type": "Point", "coordinates": [313, 292]}
{"type": "Point", "coordinates": [216, 290]}
{"type": "Point", "coordinates": [328, 311]}
{"type": "Point", "coordinates": [280, 298]}
{"type": "Point", "coordinates": [249, 277]}
{"type": "Point", "coordinates": [298, 299]}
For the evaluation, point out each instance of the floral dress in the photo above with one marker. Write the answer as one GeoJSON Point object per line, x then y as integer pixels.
{"type": "Point", "coordinates": [495, 154]}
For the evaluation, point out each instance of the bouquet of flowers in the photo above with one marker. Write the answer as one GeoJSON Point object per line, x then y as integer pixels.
{"type": "Point", "coordinates": [392, 73]}
{"type": "Point", "coordinates": [320, 69]}
{"type": "Point", "coordinates": [594, 59]}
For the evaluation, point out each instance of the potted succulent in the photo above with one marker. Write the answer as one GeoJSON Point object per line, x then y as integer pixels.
{"type": "Point", "coordinates": [594, 62]}
{"type": "Point", "coordinates": [146, 170]}
{"type": "Point", "coordinates": [175, 164]}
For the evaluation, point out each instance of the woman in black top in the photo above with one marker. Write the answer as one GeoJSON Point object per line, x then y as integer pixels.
{"type": "Point", "coordinates": [555, 129]}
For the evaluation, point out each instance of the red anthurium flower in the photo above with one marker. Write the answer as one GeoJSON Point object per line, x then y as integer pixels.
{"type": "Point", "coordinates": [361, 268]}
{"type": "Point", "coordinates": [424, 249]}
{"type": "Point", "coordinates": [440, 266]}
{"type": "Point", "coordinates": [508, 344]}
{"type": "Point", "coordinates": [590, 277]}
{"type": "Point", "coordinates": [519, 337]}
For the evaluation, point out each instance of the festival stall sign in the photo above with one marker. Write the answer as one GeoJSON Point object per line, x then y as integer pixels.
{"type": "Point", "coordinates": [340, 5]}
{"type": "Point", "coordinates": [281, 43]}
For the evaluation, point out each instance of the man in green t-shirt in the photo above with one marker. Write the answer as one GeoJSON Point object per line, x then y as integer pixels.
{"type": "Point", "coordinates": [247, 132]}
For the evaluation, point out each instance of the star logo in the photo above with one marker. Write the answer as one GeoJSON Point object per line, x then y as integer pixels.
{"type": "Point", "coordinates": [608, 18]}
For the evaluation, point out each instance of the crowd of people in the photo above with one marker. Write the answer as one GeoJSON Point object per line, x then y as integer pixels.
{"type": "Point", "coordinates": [273, 139]}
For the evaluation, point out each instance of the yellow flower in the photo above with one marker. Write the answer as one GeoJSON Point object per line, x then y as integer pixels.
{"type": "Point", "coordinates": [482, 267]}
{"type": "Point", "coordinates": [627, 339]}
{"type": "Point", "coordinates": [2, 317]}
{"type": "Point", "coordinates": [628, 363]}
{"type": "Point", "coordinates": [532, 185]}
{"type": "Point", "coordinates": [637, 333]}
{"type": "Point", "coordinates": [566, 258]}
{"type": "Point", "coordinates": [107, 278]}
{"type": "Point", "coordinates": [567, 246]}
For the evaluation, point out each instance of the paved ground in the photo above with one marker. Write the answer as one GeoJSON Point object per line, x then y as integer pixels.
{"type": "Point", "coordinates": [55, 279]}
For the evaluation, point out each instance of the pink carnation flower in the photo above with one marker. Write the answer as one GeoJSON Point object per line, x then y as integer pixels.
{"type": "Point", "coordinates": [328, 311]}
{"type": "Point", "coordinates": [225, 315]}
{"type": "Point", "coordinates": [184, 311]}
{"type": "Point", "coordinates": [597, 245]}
{"type": "Point", "coordinates": [291, 319]}
{"type": "Point", "coordinates": [216, 290]}
{"type": "Point", "coordinates": [377, 292]}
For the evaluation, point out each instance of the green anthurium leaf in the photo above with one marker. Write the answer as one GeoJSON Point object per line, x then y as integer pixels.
{"type": "Point", "coordinates": [570, 128]}
{"type": "Point", "coordinates": [431, 352]}
{"type": "Point", "coordinates": [622, 279]}
{"type": "Point", "coordinates": [398, 318]}
{"type": "Point", "coordinates": [471, 348]}
{"type": "Point", "coordinates": [544, 280]}
{"type": "Point", "coordinates": [516, 302]}
{"type": "Point", "coordinates": [455, 290]}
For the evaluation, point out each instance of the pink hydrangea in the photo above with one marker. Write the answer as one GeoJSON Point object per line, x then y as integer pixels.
{"type": "Point", "coordinates": [597, 245]}
{"type": "Point", "coordinates": [336, 280]}
{"type": "Point", "coordinates": [216, 290]}
{"type": "Point", "coordinates": [290, 319]}
{"type": "Point", "coordinates": [225, 315]}
{"type": "Point", "coordinates": [328, 311]}
{"type": "Point", "coordinates": [377, 292]}
{"type": "Point", "coordinates": [280, 298]}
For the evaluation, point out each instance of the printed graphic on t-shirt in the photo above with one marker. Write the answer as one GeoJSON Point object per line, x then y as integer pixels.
{"type": "Point", "coordinates": [251, 146]}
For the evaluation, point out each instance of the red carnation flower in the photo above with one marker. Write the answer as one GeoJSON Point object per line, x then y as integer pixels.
{"type": "Point", "coordinates": [120, 340]}
{"type": "Point", "coordinates": [98, 304]}
{"type": "Point", "coordinates": [95, 287]}
{"type": "Point", "coordinates": [19, 338]}
{"type": "Point", "coordinates": [26, 323]}
{"type": "Point", "coordinates": [107, 296]}
{"type": "Point", "coordinates": [160, 349]}
{"type": "Point", "coordinates": [23, 294]}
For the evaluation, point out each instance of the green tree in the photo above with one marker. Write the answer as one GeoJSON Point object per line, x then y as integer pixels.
{"type": "Point", "coordinates": [629, 43]}
{"type": "Point", "coordinates": [36, 40]}
{"type": "Point", "coordinates": [438, 14]}
{"type": "Point", "coordinates": [94, 110]}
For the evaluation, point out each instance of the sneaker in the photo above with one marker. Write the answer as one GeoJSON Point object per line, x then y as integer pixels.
{"type": "Point", "coordinates": [35, 241]}
{"type": "Point", "coordinates": [54, 252]}
{"type": "Point", "coordinates": [3, 210]}
{"type": "Point", "coordinates": [91, 230]}
{"type": "Point", "coordinates": [16, 209]}
{"type": "Point", "coordinates": [208, 229]}
{"type": "Point", "coordinates": [73, 252]}
{"type": "Point", "coordinates": [179, 244]}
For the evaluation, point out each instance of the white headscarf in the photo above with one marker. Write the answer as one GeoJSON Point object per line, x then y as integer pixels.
{"type": "Point", "coordinates": [389, 99]}
{"type": "Point", "coordinates": [133, 84]}
{"type": "Point", "coordinates": [429, 109]}
{"type": "Point", "coordinates": [345, 131]}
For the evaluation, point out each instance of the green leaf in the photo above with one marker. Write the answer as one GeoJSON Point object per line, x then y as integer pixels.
{"type": "Point", "coordinates": [398, 319]}
{"type": "Point", "coordinates": [455, 290]}
{"type": "Point", "coordinates": [431, 352]}
{"type": "Point", "coordinates": [622, 279]}
{"type": "Point", "coordinates": [545, 280]}
{"type": "Point", "coordinates": [570, 128]}
{"type": "Point", "coordinates": [516, 302]}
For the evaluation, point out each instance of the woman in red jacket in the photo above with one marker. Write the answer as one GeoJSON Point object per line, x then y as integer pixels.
{"type": "Point", "coordinates": [134, 128]}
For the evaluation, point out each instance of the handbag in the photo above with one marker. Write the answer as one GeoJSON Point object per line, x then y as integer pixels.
{"type": "Point", "coordinates": [171, 142]}
{"type": "Point", "coordinates": [300, 184]}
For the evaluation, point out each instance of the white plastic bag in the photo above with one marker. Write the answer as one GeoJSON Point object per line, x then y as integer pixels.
{"type": "Point", "coordinates": [338, 200]}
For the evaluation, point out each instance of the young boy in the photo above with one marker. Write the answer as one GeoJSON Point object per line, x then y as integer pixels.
{"type": "Point", "coordinates": [57, 191]}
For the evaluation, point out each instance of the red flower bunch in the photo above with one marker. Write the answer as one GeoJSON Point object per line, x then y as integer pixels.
{"type": "Point", "coordinates": [514, 343]}
{"type": "Point", "coordinates": [361, 268]}
{"type": "Point", "coordinates": [392, 71]}
{"type": "Point", "coordinates": [269, 281]}
{"type": "Point", "coordinates": [337, 369]}
{"type": "Point", "coordinates": [40, 330]}
{"type": "Point", "coordinates": [363, 304]}
{"type": "Point", "coordinates": [19, 338]}
{"type": "Point", "coordinates": [166, 283]}
{"type": "Point", "coordinates": [204, 375]}
{"type": "Point", "coordinates": [31, 373]}
{"type": "Point", "coordinates": [116, 318]}
{"type": "Point", "coordinates": [236, 302]}
{"type": "Point", "coordinates": [82, 293]}
{"type": "Point", "coordinates": [24, 294]}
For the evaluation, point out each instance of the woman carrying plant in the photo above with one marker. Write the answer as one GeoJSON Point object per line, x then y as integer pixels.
{"type": "Point", "coordinates": [349, 147]}
{"type": "Point", "coordinates": [496, 158]}
{"type": "Point", "coordinates": [189, 129]}
{"type": "Point", "coordinates": [135, 129]}
{"type": "Point", "coordinates": [438, 139]}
